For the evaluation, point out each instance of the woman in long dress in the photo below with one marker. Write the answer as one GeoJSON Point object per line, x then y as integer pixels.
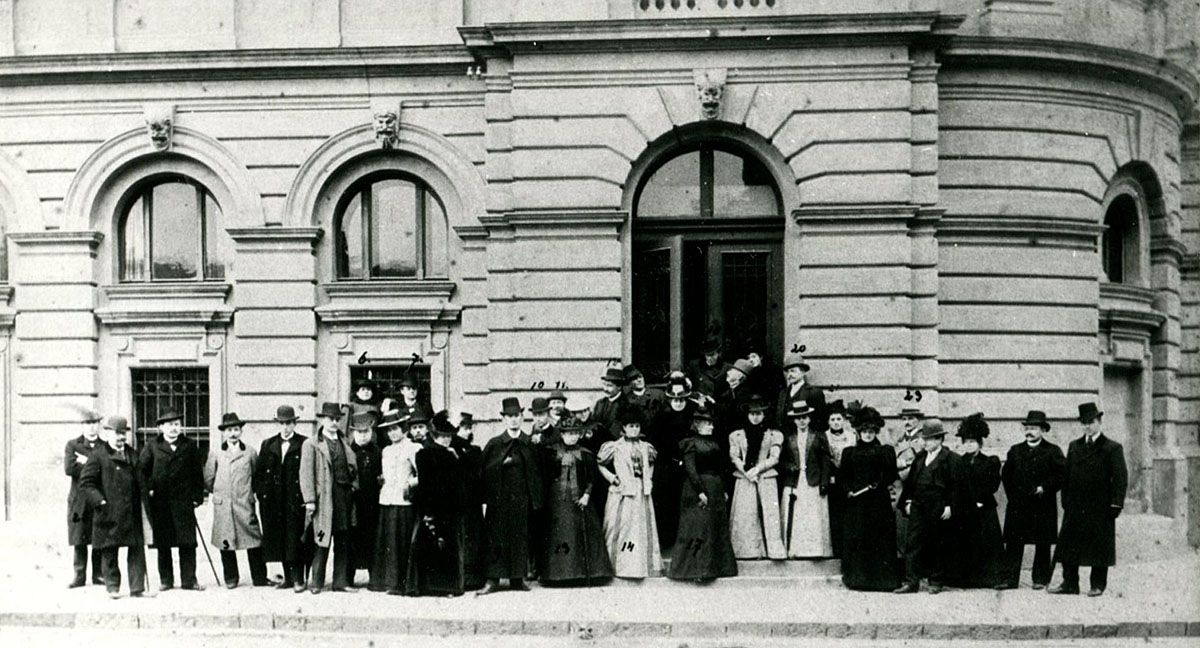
{"type": "Point", "coordinates": [575, 552]}
{"type": "Point", "coordinates": [754, 519]}
{"type": "Point", "coordinates": [840, 437]}
{"type": "Point", "coordinates": [630, 531]}
{"type": "Point", "coordinates": [668, 428]}
{"type": "Point", "coordinates": [804, 508]}
{"type": "Point", "coordinates": [435, 566]}
{"type": "Point", "coordinates": [398, 467]}
{"type": "Point", "coordinates": [981, 545]}
{"type": "Point", "coordinates": [703, 550]}
{"type": "Point", "coordinates": [869, 545]}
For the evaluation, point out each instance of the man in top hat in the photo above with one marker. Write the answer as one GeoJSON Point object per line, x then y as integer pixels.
{"type": "Point", "coordinates": [1032, 476]}
{"type": "Point", "coordinates": [798, 388]}
{"type": "Point", "coordinates": [172, 473]}
{"type": "Point", "coordinates": [369, 465]}
{"type": "Point", "coordinates": [543, 433]}
{"type": "Point", "coordinates": [113, 486]}
{"type": "Point", "coordinates": [707, 372]}
{"type": "Point", "coordinates": [229, 477]}
{"type": "Point", "coordinates": [328, 479]}
{"type": "Point", "coordinates": [649, 400]}
{"type": "Point", "coordinates": [79, 513]}
{"type": "Point", "coordinates": [606, 413]}
{"type": "Point", "coordinates": [277, 485]}
{"type": "Point", "coordinates": [930, 495]}
{"type": "Point", "coordinates": [1093, 495]}
{"type": "Point", "coordinates": [512, 488]}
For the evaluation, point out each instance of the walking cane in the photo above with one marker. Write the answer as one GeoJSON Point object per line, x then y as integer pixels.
{"type": "Point", "coordinates": [206, 554]}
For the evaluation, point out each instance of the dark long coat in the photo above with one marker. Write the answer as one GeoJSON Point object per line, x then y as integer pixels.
{"type": "Point", "coordinates": [668, 429]}
{"type": "Point", "coordinates": [280, 502]}
{"type": "Point", "coordinates": [175, 484]}
{"type": "Point", "coordinates": [117, 483]}
{"type": "Point", "coordinates": [79, 512]}
{"type": "Point", "coordinates": [1093, 490]}
{"type": "Point", "coordinates": [869, 528]}
{"type": "Point", "coordinates": [1031, 518]}
{"type": "Point", "coordinates": [980, 546]}
{"type": "Point", "coordinates": [575, 547]}
{"type": "Point", "coordinates": [366, 505]}
{"type": "Point", "coordinates": [470, 458]}
{"type": "Point", "coordinates": [512, 488]}
{"type": "Point", "coordinates": [440, 497]}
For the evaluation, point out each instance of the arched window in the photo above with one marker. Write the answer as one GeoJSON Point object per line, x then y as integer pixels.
{"type": "Point", "coordinates": [391, 226]}
{"type": "Point", "coordinates": [171, 229]}
{"type": "Point", "coordinates": [1120, 242]}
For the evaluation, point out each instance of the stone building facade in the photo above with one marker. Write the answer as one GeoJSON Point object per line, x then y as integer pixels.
{"type": "Point", "coordinates": [251, 202]}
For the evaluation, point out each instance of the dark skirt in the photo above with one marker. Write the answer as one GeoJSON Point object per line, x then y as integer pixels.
{"type": "Point", "coordinates": [435, 566]}
{"type": "Point", "coordinates": [837, 517]}
{"type": "Point", "coordinates": [575, 548]}
{"type": "Point", "coordinates": [979, 549]}
{"type": "Point", "coordinates": [393, 543]}
{"type": "Point", "coordinates": [363, 535]}
{"type": "Point", "coordinates": [703, 549]}
{"type": "Point", "coordinates": [474, 548]}
{"type": "Point", "coordinates": [666, 495]}
{"type": "Point", "coordinates": [869, 542]}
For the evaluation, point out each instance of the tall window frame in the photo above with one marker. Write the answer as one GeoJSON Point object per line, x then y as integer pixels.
{"type": "Point", "coordinates": [138, 245]}
{"type": "Point", "coordinates": [428, 261]}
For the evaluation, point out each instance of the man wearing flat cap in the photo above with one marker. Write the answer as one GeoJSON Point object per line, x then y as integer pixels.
{"type": "Point", "coordinates": [277, 485]}
{"type": "Point", "coordinates": [1032, 476]}
{"type": "Point", "coordinates": [112, 484]}
{"type": "Point", "coordinates": [172, 472]}
{"type": "Point", "coordinates": [931, 493]}
{"type": "Point", "coordinates": [79, 513]}
{"type": "Point", "coordinates": [1093, 495]}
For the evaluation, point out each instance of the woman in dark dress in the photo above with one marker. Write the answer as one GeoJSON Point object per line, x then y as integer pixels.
{"type": "Point", "coordinates": [869, 531]}
{"type": "Point", "coordinates": [981, 545]}
{"type": "Point", "coordinates": [670, 426]}
{"type": "Point", "coordinates": [435, 565]}
{"type": "Point", "coordinates": [703, 550]}
{"type": "Point", "coordinates": [575, 549]}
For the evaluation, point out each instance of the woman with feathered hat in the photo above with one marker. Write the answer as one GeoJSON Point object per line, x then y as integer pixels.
{"type": "Point", "coordinates": [980, 545]}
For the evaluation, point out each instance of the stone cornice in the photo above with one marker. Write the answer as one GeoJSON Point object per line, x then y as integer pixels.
{"type": "Point", "coordinates": [558, 222]}
{"type": "Point", "coordinates": [1165, 247]}
{"type": "Point", "coordinates": [390, 289]}
{"type": "Point", "coordinates": [376, 302]}
{"type": "Point", "coordinates": [90, 238]}
{"type": "Point", "coordinates": [1168, 79]}
{"type": "Point", "coordinates": [1026, 231]}
{"type": "Point", "coordinates": [233, 64]}
{"type": "Point", "coordinates": [661, 34]}
{"type": "Point", "coordinates": [855, 219]}
{"type": "Point", "coordinates": [274, 238]}
{"type": "Point", "coordinates": [1128, 309]}
{"type": "Point", "coordinates": [189, 290]}
{"type": "Point", "coordinates": [175, 317]}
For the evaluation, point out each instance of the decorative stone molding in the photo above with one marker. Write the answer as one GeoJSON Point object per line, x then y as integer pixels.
{"type": "Point", "coordinates": [169, 303]}
{"type": "Point", "coordinates": [855, 219]}
{"type": "Point", "coordinates": [1128, 320]}
{"type": "Point", "coordinates": [18, 200]}
{"type": "Point", "coordinates": [557, 224]}
{"type": "Point", "coordinates": [276, 238]}
{"type": "Point", "coordinates": [422, 303]}
{"type": "Point", "coordinates": [710, 90]}
{"type": "Point", "coordinates": [56, 241]}
{"type": "Point", "coordinates": [160, 124]}
{"type": "Point", "coordinates": [385, 119]}
{"type": "Point", "coordinates": [1029, 231]}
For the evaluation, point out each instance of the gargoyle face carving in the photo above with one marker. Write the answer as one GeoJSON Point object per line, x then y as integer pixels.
{"type": "Point", "coordinates": [386, 128]}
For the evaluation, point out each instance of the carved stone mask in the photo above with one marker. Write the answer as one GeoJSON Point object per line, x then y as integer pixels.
{"type": "Point", "coordinates": [710, 99]}
{"type": "Point", "coordinates": [160, 125]}
{"type": "Point", "coordinates": [385, 128]}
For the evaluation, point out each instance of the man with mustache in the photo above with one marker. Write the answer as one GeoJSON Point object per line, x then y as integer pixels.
{"type": "Point", "coordinates": [1032, 475]}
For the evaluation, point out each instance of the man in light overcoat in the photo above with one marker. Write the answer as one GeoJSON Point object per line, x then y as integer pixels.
{"type": "Point", "coordinates": [229, 476]}
{"type": "Point", "coordinates": [328, 480]}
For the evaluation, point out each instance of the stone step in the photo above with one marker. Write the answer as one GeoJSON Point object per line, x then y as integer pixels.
{"type": "Point", "coordinates": [789, 574]}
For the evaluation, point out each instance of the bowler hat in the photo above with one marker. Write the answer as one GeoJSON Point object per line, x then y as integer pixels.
{"type": "Point", "coordinates": [90, 416]}
{"type": "Point", "coordinates": [799, 408]}
{"type": "Point", "coordinates": [418, 415]}
{"type": "Point", "coordinates": [973, 427]}
{"type": "Point", "coordinates": [614, 376]}
{"type": "Point", "coordinates": [756, 403]}
{"type": "Point", "coordinates": [557, 395]}
{"type": "Point", "coordinates": [1038, 418]}
{"type": "Point", "coordinates": [539, 405]}
{"type": "Point", "coordinates": [744, 366]}
{"type": "Point", "coordinates": [466, 420]}
{"type": "Point", "coordinates": [168, 416]}
{"type": "Point", "coordinates": [795, 360]}
{"type": "Point", "coordinates": [1089, 412]}
{"type": "Point", "coordinates": [408, 380]}
{"type": "Point", "coordinates": [391, 418]}
{"type": "Point", "coordinates": [362, 420]}
{"type": "Point", "coordinates": [712, 345]}
{"type": "Point", "coordinates": [230, 419]}
{"type": "Point", "coordinates": [116, 424]}
{"type": "Point", "coordinates": [511, 406]}
{"type": "Point", "coordinates": [330, 410]}
{"type": "Point", "coordinates": [285, 414]}
{"type": "Point", "coordinates": [909, 410]}
{"type": "Point", "coordinates": [932, 429]}
{"type": "Point", "coordinates": [632, 373]}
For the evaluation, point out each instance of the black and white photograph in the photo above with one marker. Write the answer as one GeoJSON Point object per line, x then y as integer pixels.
{"type": "Point", "coordinates": [611, 323]}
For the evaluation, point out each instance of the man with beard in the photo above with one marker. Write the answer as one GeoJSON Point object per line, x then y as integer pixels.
{"type": "Point", "coordinates": [277, 485]}
{"type": "Point", "coordinates": [112, 484]}
{"type": "Point", "coordinates": [328, 480]}
{"type": "Point", "coordinates": [172, 472]}
{"type": "Point", "coordinates": [1031, 475]}
{"type": "Point", "coordinates": [79, 512]}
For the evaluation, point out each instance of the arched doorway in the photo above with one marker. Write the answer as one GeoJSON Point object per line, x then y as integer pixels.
{"type": "Point", "coordinates": [706, 255]}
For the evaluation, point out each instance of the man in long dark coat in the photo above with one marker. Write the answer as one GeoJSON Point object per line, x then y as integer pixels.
{"type": "Point", "coordinates": [369, 462]}
{"type": "Point", "coordinates": [112, 484]}
{"type": "Point", "coordinates": [931, 493]}
{"type": "Point", "coordinates": [1032, 476]}
{"type": "Point", "coordinates": [172, 471]}
{"type": "Point", "coordinates": [798, 388]}
{"type": "Point", "coordinates": [280, 502]}
{"type": "Point", "coordinates": [79, 512]}
{"type": "Point", "coordinates": [512, 489]}
{"type": "Point", "coordinates": [708, 372]}
{"type": "Point", "coordinates": [1093, 496]}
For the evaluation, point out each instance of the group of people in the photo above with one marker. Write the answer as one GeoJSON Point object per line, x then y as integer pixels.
{"type": "Point", "coordinates": [708, 470]}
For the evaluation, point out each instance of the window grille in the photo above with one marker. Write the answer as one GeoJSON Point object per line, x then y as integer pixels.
{"type": "Point", "coordinates": [387, 378]}
{"type": "Point", "coordinates": [183, 389]}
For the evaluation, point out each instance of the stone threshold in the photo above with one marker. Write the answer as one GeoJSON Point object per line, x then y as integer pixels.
{"type": "Point", "coordinates": [359, 625]}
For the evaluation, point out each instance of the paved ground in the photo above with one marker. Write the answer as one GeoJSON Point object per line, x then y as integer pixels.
{"type": "Point", "coordinates": [1154, 593]}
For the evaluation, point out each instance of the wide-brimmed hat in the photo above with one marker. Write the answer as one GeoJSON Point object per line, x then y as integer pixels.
{"type": "Point", "coordinates": [632, 373]}
{"type": "Point", "coordinates": [570, 423]}
{"type": "Point", "coordinates": [557, 395]}
{"type": "Point", "coordinates": [909, 410]}
{"type": "Point", "coordinates": [359, 383]}
{"type": "Point", "coordinates": [869, 418]}
{"type": "Point", "coordinates": [511, 406]}
{"type": "Point", "coordinates": [117, 424]}
{"type": "Point", "coordinates": [441, 421]}
{"type": "Point", "coordinates": [392, 418]}
{"type": "Point", "coordinates": [702, 413]}
{"type": "Point", "coordinates": [743, 365]}
{"type": "Point", "coordinates": [800, 408]}
{"type": "Point", "coordinates": [756, 403]}
{"type": "Point", "coordinates": [973, 427]}
{"type": "Point", "coordinates": [1038, 418]}
{"type": "Point", "coordinates": [836, 407]}
{"type": "Point", "coordinates": [230, 419]}
{"type": "Point", "coordinates": [167, 416]}
{"type": "Point", "coordinates": [539, 405]}
{"type": "Point", "coordinates": [678, 389]}
{"type": "Point", "coordinates": [795, 360]}
{"type": "Point", "coordinates": [330, 410]}
{"type": "Point", "coordinates": [932, 428]}
{"type": "Point", "coordinates": [629, 415]}
{"type": "Point", "coordinates": [362, 420]}
{"type": "Point", "coordinates": [1089, 412]}
{"type": "Point", "coordinates": [285, 414]}
{"type": "Point", "coordinates": [614, 375]}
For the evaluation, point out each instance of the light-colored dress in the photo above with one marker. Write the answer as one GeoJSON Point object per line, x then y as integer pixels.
{"type": "Point", "coordinates": [754, 514]}
{"type": "Point", "coordinates": [630, 530]}
{"type": "Point", "coordinates": [810, 533]}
